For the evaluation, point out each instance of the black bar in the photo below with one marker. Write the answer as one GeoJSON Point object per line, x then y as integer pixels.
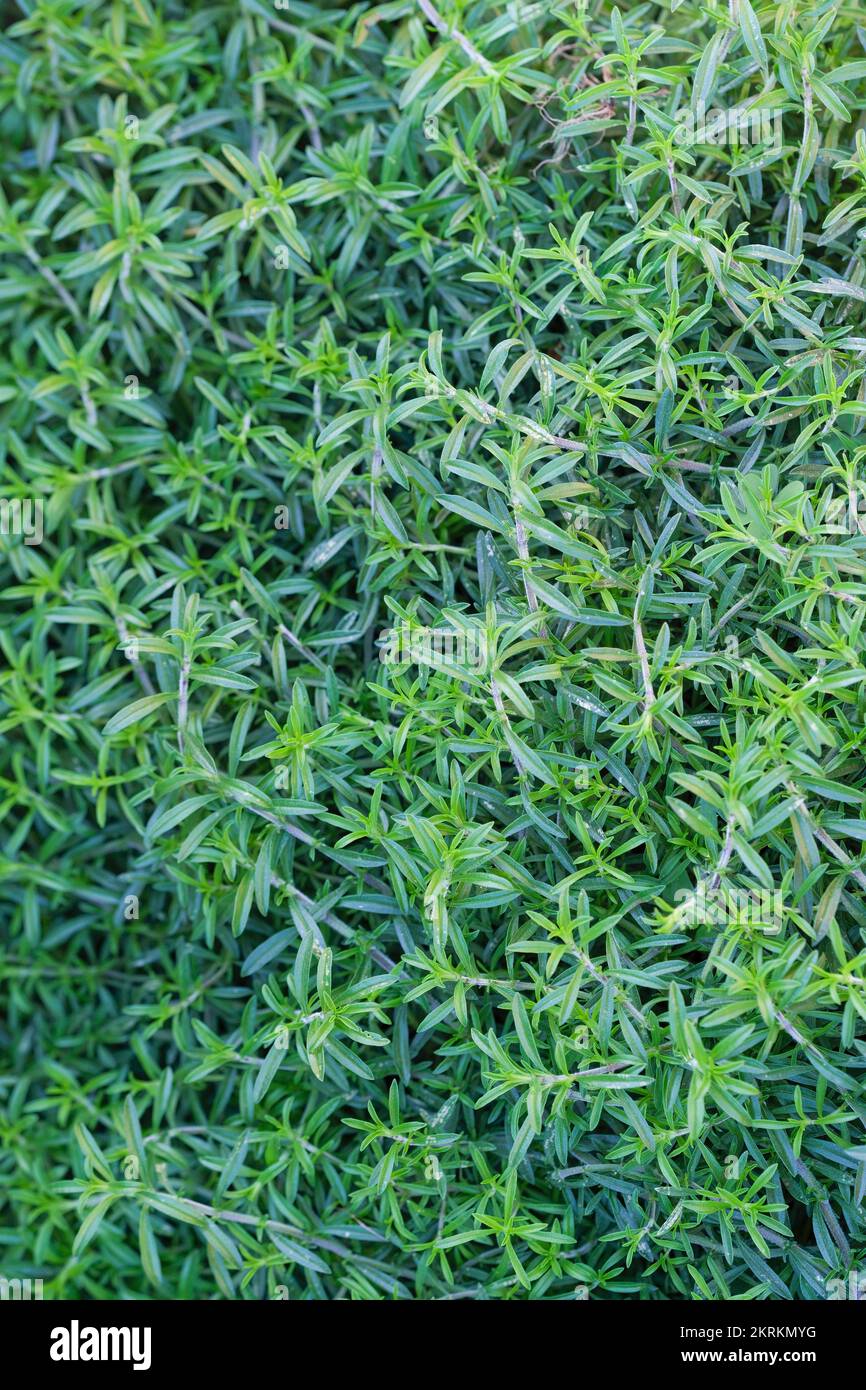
{"type": "Point", "coordinates": [57, 1338]}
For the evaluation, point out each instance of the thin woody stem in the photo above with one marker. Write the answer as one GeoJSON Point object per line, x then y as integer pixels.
{"type": "Point", "coordinates": [826, 840]}
{"type": "Point", "coordinates": [646, 677]}
{"type": "Point", "coordinates": [447, 32]}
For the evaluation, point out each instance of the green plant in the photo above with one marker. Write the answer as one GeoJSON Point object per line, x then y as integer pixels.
{"type": "Point", "coordinates": [528, 961]}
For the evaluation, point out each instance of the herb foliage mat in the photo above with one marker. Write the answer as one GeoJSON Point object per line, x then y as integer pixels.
{"type": "Point", "coordinates": [432, 774]}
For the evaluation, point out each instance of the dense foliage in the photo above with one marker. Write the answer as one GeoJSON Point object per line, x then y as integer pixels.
{"type": "Point", "coordinates": [340, 965]}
